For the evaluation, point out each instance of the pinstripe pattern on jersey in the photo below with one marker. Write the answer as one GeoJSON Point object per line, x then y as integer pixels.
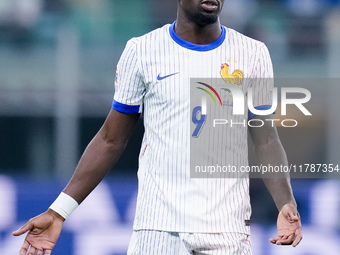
{"type": "Point", "coordinates": [168, 199]}
{"type": "Point", "coordinates": [172, 243]}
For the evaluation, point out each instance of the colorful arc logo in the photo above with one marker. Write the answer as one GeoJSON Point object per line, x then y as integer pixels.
{"type": "Point", "coordinates": [209, 93]}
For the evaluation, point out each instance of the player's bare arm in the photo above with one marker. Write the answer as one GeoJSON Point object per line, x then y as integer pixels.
{"type": "Point", "coordinates": [99, 157]}
{"type": "Point", "coordinates": [269, 151]}
{"type": "Point", "coordinates": [101, 154]}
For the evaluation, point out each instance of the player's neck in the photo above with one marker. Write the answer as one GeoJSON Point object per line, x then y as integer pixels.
{"type": "Point", "coordinates": [193, 33]}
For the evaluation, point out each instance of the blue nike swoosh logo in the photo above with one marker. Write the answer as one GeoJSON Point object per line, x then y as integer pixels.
{"type": "Point", "coordinates": [159, 78]}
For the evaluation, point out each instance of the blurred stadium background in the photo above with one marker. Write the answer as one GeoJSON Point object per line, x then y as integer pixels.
{"type": "Point", "coordinates": [57, 69]}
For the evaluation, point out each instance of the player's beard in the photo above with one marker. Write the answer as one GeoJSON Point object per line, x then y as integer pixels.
{"type": "Point", "coordinates": [204, 19]}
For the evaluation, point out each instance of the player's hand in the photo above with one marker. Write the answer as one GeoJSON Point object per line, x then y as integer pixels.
{"type": "Point", "coordinates": [43, 233]}
{"type": "Point", "coordinates": [288, 227]}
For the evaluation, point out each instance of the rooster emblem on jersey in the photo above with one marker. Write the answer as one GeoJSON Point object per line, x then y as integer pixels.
{"type": "Point", "coordinates": [236, 77]}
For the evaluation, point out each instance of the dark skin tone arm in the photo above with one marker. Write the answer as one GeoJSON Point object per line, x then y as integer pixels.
{"type": "Point", "coordinates": [99, 157]}
{"type": "Point", "coordinates": [101, 154]}
{"type": "Point", "coordinates": [269, 151]}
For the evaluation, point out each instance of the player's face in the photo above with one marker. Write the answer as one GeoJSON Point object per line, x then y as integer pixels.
{"type": "Point", "coordinates": [200, 12]}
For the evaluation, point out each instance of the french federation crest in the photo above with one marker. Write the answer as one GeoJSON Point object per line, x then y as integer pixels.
{"type": "Point", "coordinates": [236, 77]}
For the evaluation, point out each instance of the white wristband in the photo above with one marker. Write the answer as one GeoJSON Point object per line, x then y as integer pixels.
{"type": "Point", "coordinates": [64, 205]}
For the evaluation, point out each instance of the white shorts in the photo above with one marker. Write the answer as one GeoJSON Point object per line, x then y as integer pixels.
{"type": "Point", "coordinates": [151, 242]}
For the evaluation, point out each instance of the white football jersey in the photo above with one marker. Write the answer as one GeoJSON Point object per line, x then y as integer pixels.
{"type": "Point", "coordinates": [153, 77]}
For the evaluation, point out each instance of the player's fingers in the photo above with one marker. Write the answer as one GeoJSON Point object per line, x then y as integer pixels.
{"type": "Point", "coordinates": [31, 251]}
{"type": "Point", "coordinates": [273, 240]}
{"type": "Point", "coordinates": [48, 252]}
{"type": "Point", "coordinates": [24, 248]}
{"type": "Point", "coordinates": [40, 252]}
{"type": "Point", "coordinates": [286, 240]}
{"type": "Point", "coordinates": [281, 239]}
{"type": "Point", "coordinates": [292, 213]}
{"type": "Point", "coordinates": [285, 237]}
{"type": "Point", "coordinates": [298, 237]}
{"type": "Point", "coordinates": [293, 216]}
{"type": "Point", "coordinates": [297, 241]}
{"type": "Point", "coordinates": [28, 226]}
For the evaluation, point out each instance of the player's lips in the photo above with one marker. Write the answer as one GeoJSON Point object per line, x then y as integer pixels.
{"type": "Point", "coordinates": [209, 5]}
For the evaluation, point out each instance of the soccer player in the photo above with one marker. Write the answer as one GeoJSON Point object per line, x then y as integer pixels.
{"type": "Point", "coordinates": [177, 214]}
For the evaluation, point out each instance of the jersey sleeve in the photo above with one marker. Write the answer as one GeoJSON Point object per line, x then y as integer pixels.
{"type": "Point", "coordinates": [262, 84]}
{"type": "Point", "coordinates": [129, 82]}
